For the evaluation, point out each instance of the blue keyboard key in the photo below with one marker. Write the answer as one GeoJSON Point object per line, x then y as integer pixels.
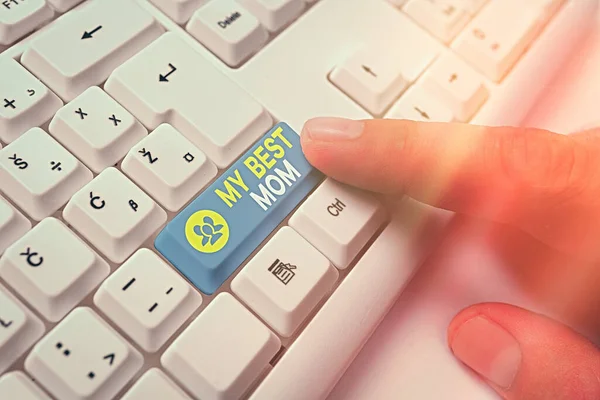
{"type": "Point", "coordinates": [215, 233]}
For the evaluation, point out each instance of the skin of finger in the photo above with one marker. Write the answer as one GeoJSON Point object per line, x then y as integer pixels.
{"type": "Point", "coordinates": [554, 280]}
{"type": "Point", "coordinates": [556, 364]}
{"type": "Point", "coordinates": [517, 176]}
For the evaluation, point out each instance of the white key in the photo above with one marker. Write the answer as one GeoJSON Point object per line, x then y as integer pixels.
{"type": "Point", "coordinates": [147, 299]}
{"type": "Point", "coordinates": [64, 5]}
{"type": "Point", "coordinates": [285, 281]}
{"type": "Point", "coordinates": [397, 3]}
{"type": "Point", "coordinates": [489, 46]}
{"type": "Point", "coordinates": [339, 221]}
{"type": "Point", "coordinates": [274, 14]}
{"type": "Point", "coordinates": [472, 6]}
{"type": "Point", "coordinates": [25, 101]}
{"type": "Point", "coordinates": [96, 129]}
{"type": "Point", "coordinates": [170, 82]}
{"type": "Point", "coordinates": [83, 358]}
{"type": "Point", "coordinates": [13, 224]}
{"type": "Point", "coordinates": [222, 352]}
{"type": "Point", "coordinates": [20, 17]}
{"type": "Point", "coordinates": [39, 175]}
{"type": "Point", "coordinates": [83, 47]}
{"type": "Point", "coordinates": [443, 18]}
{"type": "Point", "coordinates": [19, 329]}
{"type": "Point", "coordinates": [52, 268]}
{"type": "Point", "coordinates": [419, 105]}
{"type": "Point", "coordinates": [169, 167]}
{"type": "Point", "coordinates": [378, 73]}
{"type": "Point", "coordinates": [179, 11]}
{"type": "Point", "coordinates": [228, 30]}
{"type": "Point", "coordinates": [16, 385]}
{"type": "Point", "coordinates": [154, 384]}
{"type": "Point", "coordinates": [114, 215]}
{"type": "Point", "coordinates": [458, 85]}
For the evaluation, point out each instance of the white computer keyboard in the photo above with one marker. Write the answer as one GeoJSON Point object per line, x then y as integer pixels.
{"type": "Point", "coordinates": [161, 234]}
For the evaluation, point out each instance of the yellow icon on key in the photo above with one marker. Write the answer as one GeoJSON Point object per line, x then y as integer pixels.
{"type": "Point", "coordinates": [207, 231]}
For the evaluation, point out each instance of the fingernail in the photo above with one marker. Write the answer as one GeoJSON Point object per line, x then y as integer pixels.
{"type": "Point", "coordinates": [333, 129]}
{"type": "Point", "coordinates": [488, 349]}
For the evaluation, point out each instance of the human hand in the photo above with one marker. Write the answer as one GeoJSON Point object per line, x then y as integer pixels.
{"type": "Point", "coordinates": [544, 184]}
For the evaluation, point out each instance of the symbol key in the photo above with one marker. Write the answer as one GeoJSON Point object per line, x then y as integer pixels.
{"type": "Point", "coordinates": [114, 214]}
{"type": "Point", "coordinates": [147, 299]}
{"type": "Point", "coordinates": [83, 358]}
{"type": "Point", "coordinates": [19, 329]}
{"type": "Point", "coordinates": [96, 129]}
{"type": "Point", "coordinates": [31, 178]}
{"type": "Point", "coordinates": [52, 268]}
{"type": "Point", "coordinates": [169, 167]}
{"type": "Point", "coordinates": [25, 101]}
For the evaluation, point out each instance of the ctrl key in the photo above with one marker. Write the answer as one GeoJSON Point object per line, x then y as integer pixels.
{"type": "Point", "coordinates": [222, 352]}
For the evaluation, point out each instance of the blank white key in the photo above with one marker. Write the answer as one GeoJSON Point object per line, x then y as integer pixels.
{"type": "Point", "coordinates": [83, 358]}
{"type": "Point", "coordinates": [169, 167]}
{"type": "Point", "coordinates": [83, 47]}
{"type": "Point", "coordinates": [419, 105]}
{"type": "Point", "coordinates": [39, 175]}
{"type": "Point", "coordinates": [489, 46]}
{"type": "Point", "coordinates": [338, 220]}
{"type": "Point", "coordinates": [443, 18]}
{"type": "Point", "coordinates": [285, 281]}
{"type": "Point", "coordinates": [147, 299]}
{"type": "Point", "coordinates": [179, 11]}
{"type": "Point", "coordinates": [16, 385]}
{"type": "Point", "coordinates": [222, 352]}
{"type": "Point", "coordinates": [170, 82]}
{"type": "Point", "coordinates": [13, 224]}
{"type": "Point", "coordinates": [114, 215]}
{"type": "Point", "coordinates": [96, 129]}
{"type": "Point", "coordinates": [19, 329]}
{"type": "Point", "coordinates": [471, 6]}
{"type": "Point", "coordinates": [378, 73]}
{"type": "Point", "coordinates": [228, 30]}
{"type": "Point", "coordinates": [458, 85]}
{"type": "Point", "coordinates": [24, 101]}
{"type": "Point", "coordinates": [52, 268]}
{"type": "Point", "coordinates": [274, 14]}
{"type": "Point", "coordinates": [64, 5]}
{"type": "Point", "coordinates": [154, 384]}
{"type": "Point", "coordinates": [20, 17]}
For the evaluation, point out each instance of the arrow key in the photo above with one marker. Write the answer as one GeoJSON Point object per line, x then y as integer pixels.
{"type": "Point", "coordinates": [374, 81]}
{"type": "Point", "coordinates": [418, 105]}
{"type": "Point", "coordinates": [81, 48]}
{"type": "Point", "coordinates": [83, 358]}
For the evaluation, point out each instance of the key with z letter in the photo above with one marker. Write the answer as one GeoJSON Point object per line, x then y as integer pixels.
{"type": "Point", "coordinates": [218, 230]}
{"type": "Point", "coordinates": [170, 82]}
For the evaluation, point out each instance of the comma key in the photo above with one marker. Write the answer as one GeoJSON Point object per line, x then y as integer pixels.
{"type": "Point", "coordinates": [218, 230]}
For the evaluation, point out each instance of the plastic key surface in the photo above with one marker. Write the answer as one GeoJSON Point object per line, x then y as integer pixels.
{"type": "Point", "coordinates": [215, 233]}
